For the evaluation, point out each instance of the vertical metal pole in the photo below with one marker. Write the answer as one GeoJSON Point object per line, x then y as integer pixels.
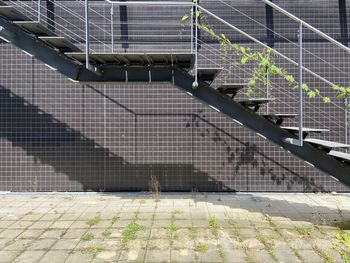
{"type": "Point", "coordinates": [195, 83]}
{"type": "Point", "coordinates": [192, 29]}
{"type": "Point", "coordinates": [267, 89]}
{"type": "Point", "coordinates": [112, 28]}
{"type": "Point", "coordinates": [346, 122]}
{"type": "Point", "coordinates": [87, 48]}
{"type": "Point", "coordinates": [300, 64]}
{"type": "Point", "coordinates": [39, 10]}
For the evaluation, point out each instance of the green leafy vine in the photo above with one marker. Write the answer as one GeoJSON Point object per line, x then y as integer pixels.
{"type": "Point", "coordinates": [263, 62]}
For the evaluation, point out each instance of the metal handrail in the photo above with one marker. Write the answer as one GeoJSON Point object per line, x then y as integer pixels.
{"type": "Point", "coordinates": [300, 21]}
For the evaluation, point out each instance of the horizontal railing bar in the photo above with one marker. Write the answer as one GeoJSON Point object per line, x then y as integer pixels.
{"type": "Point", "coordinates": [150, 3]}
{"type": "Point", "coordinates": [315, 30]}
{"type": "Point", "coordinates": [264, 45]}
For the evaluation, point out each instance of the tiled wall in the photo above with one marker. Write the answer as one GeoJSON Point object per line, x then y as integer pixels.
{"type": "Point", "coordinates": [56, 135]}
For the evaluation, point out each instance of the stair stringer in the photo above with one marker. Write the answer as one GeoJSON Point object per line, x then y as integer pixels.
{"type": "Point", "coordinates": [260, 125]}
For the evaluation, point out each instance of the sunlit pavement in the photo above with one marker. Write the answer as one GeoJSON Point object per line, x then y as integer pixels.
{"type": "Point", "coordinates": [180, 227]}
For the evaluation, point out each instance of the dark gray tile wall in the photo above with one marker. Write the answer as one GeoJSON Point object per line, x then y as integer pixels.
{"type": "Point", "coordinates": [56, 135]}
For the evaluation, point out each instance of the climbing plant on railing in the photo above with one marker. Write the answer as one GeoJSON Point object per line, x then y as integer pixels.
{"type": "Point", "coordinates": [263, 63]}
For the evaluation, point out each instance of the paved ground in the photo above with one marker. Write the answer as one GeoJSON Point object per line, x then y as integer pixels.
{"type": "Point", "coordinates": [191, 227]}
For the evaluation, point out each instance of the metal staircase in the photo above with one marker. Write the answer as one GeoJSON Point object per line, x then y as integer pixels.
{"type": "Point", "coordinates": [181, 69]}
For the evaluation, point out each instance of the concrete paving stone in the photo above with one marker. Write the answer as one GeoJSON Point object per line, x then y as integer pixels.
{"type": "Point", "coordinates": [145, 223]}
{"type": "Point", "coordinates": [53, 233]}
{"type": "Point", "coordinates": [162, 215]}
{"type": "Point", "coordinates": [126, 216]}
{"type": "Point", "coordinates": [162, 223]}
{"type": "Point", "coordinates": [102, 224]}
{"type": "Point", "coordinates": [136, 244]}
{"type": "Point", "coordinates": [252, 243]}
{"type": "Point", "coordinates": [309, 256]}
{"type": "Point", "coordinates": [6, 223]}
{"type": "Point", "coordinates": [156, 255]}
{"type": "Point", "coordinates": [157, 233]}
{"type": "Point", "coordinates": [133, 255]}
{"type": "Point", "coordinates": [116, 232]}
{"type": "Point", "coordinates": [20, 225]}
{"type": "Point", "coordinates": [183, 256]}
{"type": "Point", "coordinates": [79, 224]}
{"type": "Point", "coordinates": [183, 244]}
{"type": "Point", "coordinates": [144, 233]}
{"type": "Point", "coordinates": [54, 256]}
{"type": "Point", "coordinates": [30, 256]}
{"type": "Point", "coordinates": [158, 244]}
{"type": "Point", "coordinates": [269, 233]}
{"type": "Point", "coordinates": [229, 243]}
{"type": "Point", "coordinates": [290, 234]}
{"type": "Point", "coordinates": [243, 223]}
{"type": "Point", "coordinates": [4, 242]}
{"type": "Point", "coordinates": [283, 253]}
{"type": "Point", "coordinates": [146, 216]}
{"type": "Point", "coordinates": [7, 256]}
{"type": "Point", "coordinates": [42, 244]}
{"type": "Point", "coordinates": [112, 245]}
{"type": "Point", "coordinates": [201, 223]}
{"type": "Point", "coordinates": [106, 256]}
{"type": "Point", "coordinates": [61, 224]}
{"type": "Point", "coordinates": [180, 223]}
{"type": "Point", "coordinates": [70, 216]}
{"type": "Point", "coordinates": [31, 217]}
{"type": "Point", "coordinates": [300, 243]}
{"type": "Point", "coordinates": [245, 233]}
{"type": "Point", "coordinates": [31, 234]}
{"type": "Point", "coordinates": [50, 217]}
{"type": "Point", "coordinates": [40, 225]}
{"type": "Point", "coordinates": [18, 244]}
{"type": "Point", "coordinates": [260, 256]}
{"type": "Point", "coordinates": [234, 256]}
{"type": "Point", "coordinates": [65, 244]}
{"type": "Point", "coordinates": [210, 256]}
{"type": "Point", "coordinates": [79, 257]}
{"type": "Point", "coordinates": [72, 233]}
{"type": "Point", "coordinates": [11, 233]}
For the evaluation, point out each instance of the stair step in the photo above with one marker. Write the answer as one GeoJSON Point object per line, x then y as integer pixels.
{"type": "Point", "coordinates": [306, 131]}
{"type": "Point", "coordinates": [344, 157]}
{"type": "Point", "coordinates": [326, 145]}
{"type": "Point", "coordinates": [255, 102]}
{"type": "Point", "coordinates": [208, 74]}
{"type": "Point", "coordinates": [179, 59]}
{"type": "Point", "coordinates": [279, 118]}
{"type": "Point", "coordinates": [35, 28]}
{"type": "Point", "coordinates": [231, 88]}
{"type": "Point", "coordinates": [296, 129]}
{"type": "Point", "coordinates": [60, 43]}
{"type": "Point", "coordinates": [10, 13]}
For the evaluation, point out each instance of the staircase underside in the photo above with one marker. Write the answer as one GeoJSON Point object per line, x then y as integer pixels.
{"type": "Point", "coordinates": [66, 58]}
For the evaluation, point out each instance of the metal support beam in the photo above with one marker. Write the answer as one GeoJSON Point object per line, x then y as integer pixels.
{"type": "Point", "coordinates": [300, 91]}
{"type": "Point", "coordinates": [269, 26]}
{"type": "Point", "coordinates": [346, 119]}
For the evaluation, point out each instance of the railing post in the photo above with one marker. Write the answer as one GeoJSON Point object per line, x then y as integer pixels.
{"type": "Point", "coordinates": [346, 122]}
{"type": "Point", "coordinates": [112, 27]}
{"type": "Point", "coordinates": [192, 29]}
{"type": "Point", "coordinates": [39, 10]}
{"type": "Point", "coordinates": [300, 67]}
{"type": "Point", "coordinates": [267, 89]}
{"type": "Point", "coordinates": [87, 48]}
{"type": "Point", "coordinates": [195, 83]}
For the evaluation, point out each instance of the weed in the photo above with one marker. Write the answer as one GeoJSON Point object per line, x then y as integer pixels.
{"type": "Point", "coordinates": [172, 229]}
{"type": "Point", "coordinates": [130, 231]}
{"type": "Point", "coordinates": [115, 219]}
{"type": "Point", "coordinates": [174, 213]}
{"type": "Point", "coordinates": [305, 231]}
{"type": "Point", "coordinates": [154, 187]}
{"type": "Point", "coordinates": [87, 237]}
{"type": "Point", "coordinates": [213, 224]}
{"type": "Point", "coordinates": [201, 247]}
{"type": "Point", "coordinates": [142, 202]}
{"type": "Point", "coordinates": [91, 250]}
{"type": "Point", "coordinates": [94, 221]}
{"type": "Point", "coordinates": [193, 232]}
{"type": "Point", "coordinates": [137, 213]}
{"type": "Point", "coordinates": [106, 233]}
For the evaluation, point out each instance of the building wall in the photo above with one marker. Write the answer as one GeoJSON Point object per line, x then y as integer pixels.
{"type": "Point", "coordinates": [56, 135]}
